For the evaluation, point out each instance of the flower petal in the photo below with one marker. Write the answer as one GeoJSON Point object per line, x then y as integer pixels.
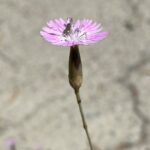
{"type": "Point", "coordinates": [82, 32]}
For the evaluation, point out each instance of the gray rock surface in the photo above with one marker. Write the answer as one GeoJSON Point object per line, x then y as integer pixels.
{"type": "Point", "coordinates": [37, 105]}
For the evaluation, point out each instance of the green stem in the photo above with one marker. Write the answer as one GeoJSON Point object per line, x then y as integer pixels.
{"type": "Point", "coordinates": [83, 118]}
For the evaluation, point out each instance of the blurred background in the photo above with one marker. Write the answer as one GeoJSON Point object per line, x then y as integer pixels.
{"type": "Point", "coordinates": [37, 105]}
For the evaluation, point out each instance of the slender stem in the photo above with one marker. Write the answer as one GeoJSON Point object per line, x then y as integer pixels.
{"type": "Point", "coordinates": [75, 80]}
{"type": "Point", "coordinates": [83, 118]}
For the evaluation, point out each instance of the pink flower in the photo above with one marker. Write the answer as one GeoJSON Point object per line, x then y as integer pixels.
{"type": "Point", "coordinates": [10, 142]}
{"type": "Point", "coordinates": [67, 33]}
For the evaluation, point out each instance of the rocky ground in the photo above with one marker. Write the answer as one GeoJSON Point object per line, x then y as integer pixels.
{"type": "Point", "coordinates": [37, 105]}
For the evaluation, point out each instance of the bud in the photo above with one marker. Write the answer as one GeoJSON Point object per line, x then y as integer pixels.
{"type": "Point", "coordinates": [75, 68]}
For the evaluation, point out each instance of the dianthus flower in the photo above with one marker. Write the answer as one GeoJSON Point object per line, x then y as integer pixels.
{"type": "Point", "coordinates": [67, 33]}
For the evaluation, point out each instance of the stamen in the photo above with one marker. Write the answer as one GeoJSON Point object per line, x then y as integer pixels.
{"type": "Point", "coordinates": [69, 20]}
{"type": "Point", "coordinates": [83, 35]}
